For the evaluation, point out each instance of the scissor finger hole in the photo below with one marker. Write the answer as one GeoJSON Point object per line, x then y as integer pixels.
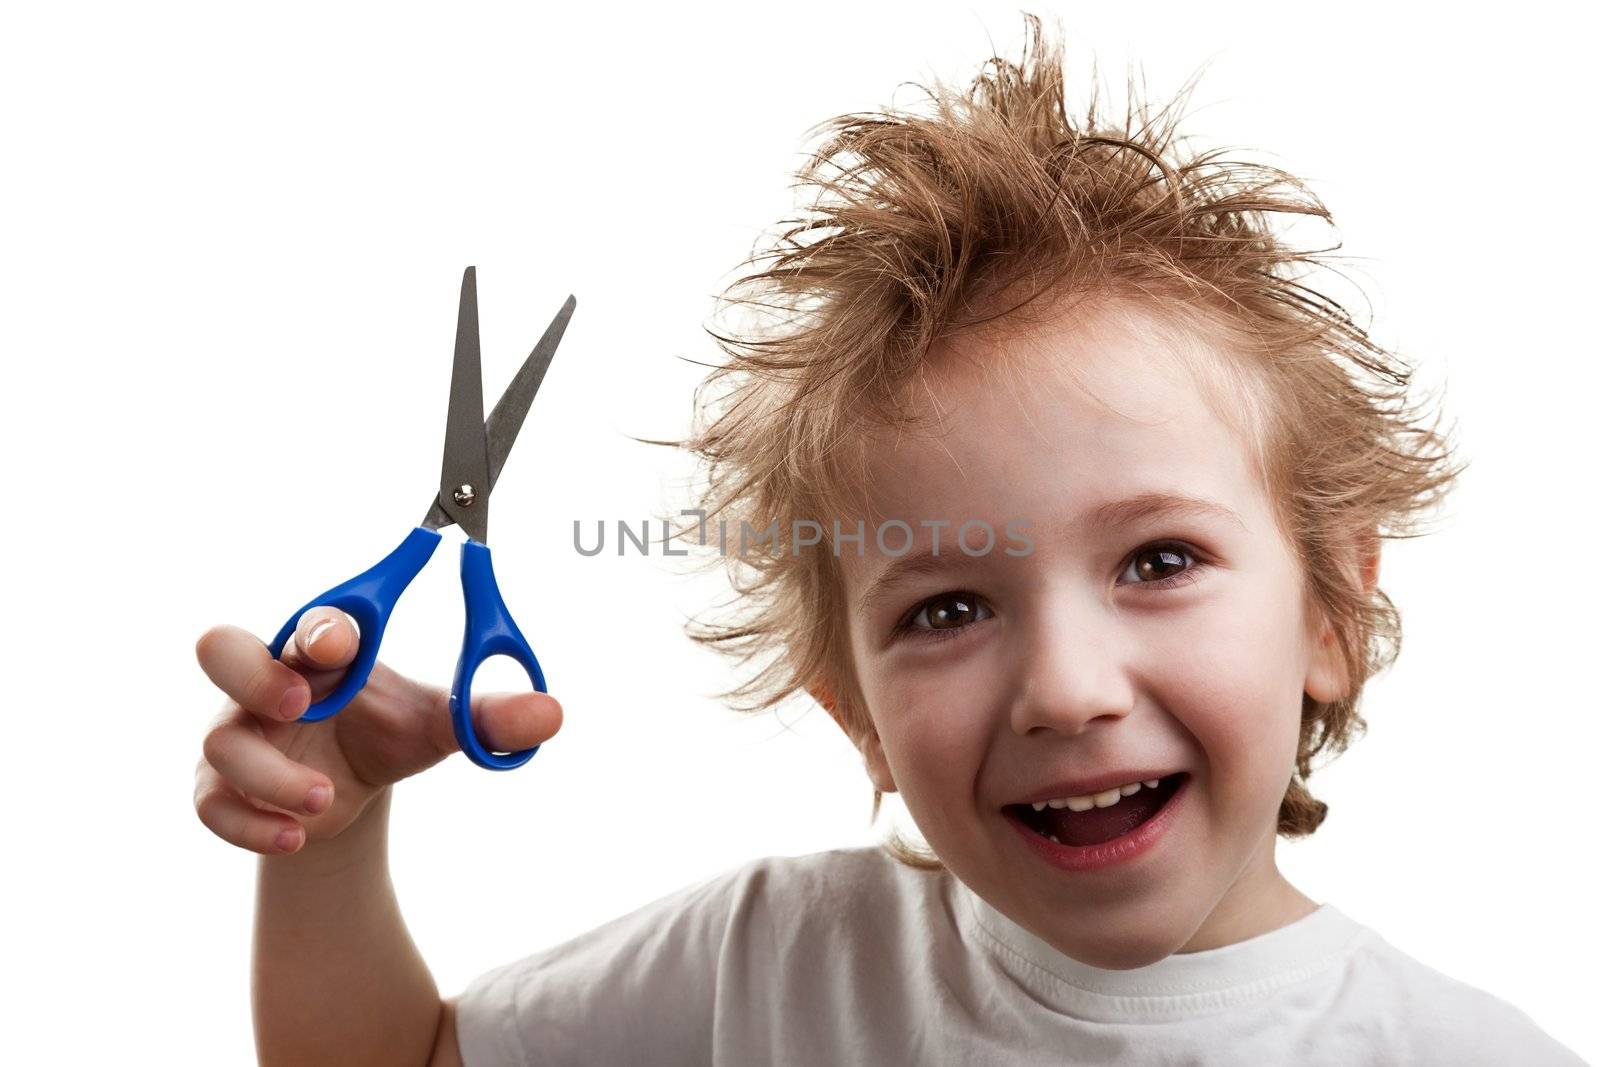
{"type": "Point", "coordinates": [501, 673]}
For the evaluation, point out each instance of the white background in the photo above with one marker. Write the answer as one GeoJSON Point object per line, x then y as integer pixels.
{"type": "Point", "coordinates": [231, 248]}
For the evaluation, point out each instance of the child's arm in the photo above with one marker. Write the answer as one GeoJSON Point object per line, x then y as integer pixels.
{"type": "Point", "coordinates": [336, 977]}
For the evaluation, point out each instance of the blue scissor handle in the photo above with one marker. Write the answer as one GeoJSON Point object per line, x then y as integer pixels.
{"type": "Point", "coordinates": [489, 632]}
{"type": "Point", "coordinates": [369, 598]}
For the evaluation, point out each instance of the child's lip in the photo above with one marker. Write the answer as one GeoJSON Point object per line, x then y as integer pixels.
{"type": "Point", "coordinates": [1119, 850]}
{"type": "Point", "coordinates": [1079, 787]}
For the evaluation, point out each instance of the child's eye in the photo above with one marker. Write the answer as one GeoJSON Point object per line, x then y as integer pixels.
{"type": "Point", "coordinates": [950, 614]}
{"type": "Point", "coordinates": [1155, 561]}
{"type": "Point", "coordinates": [947, 615]}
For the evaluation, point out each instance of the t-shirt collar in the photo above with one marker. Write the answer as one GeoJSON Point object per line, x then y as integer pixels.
{"type": "Point", "coordinates": [1179, 984]}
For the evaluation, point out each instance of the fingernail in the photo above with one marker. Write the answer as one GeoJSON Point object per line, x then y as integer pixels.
{"type": "Point", "coordinates": [317, 798]}
{"type": "Point", "coordinates": [290, 707]}
{"type": "Point", "coordinates": [288, 840]}
{"type": "Point", "coordinates": [317, 631]}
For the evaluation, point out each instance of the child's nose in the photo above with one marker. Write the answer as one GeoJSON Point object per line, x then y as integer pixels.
{"type": "Point", "coordinates": [1066, 688]}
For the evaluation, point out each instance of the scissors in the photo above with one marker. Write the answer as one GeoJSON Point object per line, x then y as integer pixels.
{"type": "Point", "coordinates": [474, 452]}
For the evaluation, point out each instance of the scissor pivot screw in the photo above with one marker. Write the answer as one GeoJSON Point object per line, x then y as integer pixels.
{"type": "Point", "coordinates": [465, 495]}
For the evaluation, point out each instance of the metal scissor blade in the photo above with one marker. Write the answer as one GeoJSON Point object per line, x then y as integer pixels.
{"type": "Point", "coordinates": [464, 480]}
{"type": "Point", "coordinates": [505, 421]}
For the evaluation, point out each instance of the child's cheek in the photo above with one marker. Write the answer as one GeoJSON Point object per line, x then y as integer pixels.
{"type": "Point", "coordinates": [1238, 694]}
{"type": "Point", "coordinates": [934, 739]}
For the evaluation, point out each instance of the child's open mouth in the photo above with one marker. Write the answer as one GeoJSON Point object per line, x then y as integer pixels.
{"type": "Point", "coordinates": [1098, 825]}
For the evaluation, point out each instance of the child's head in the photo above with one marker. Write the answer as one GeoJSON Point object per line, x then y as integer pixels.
{"type": "Point", "coordinates": [993, 313]}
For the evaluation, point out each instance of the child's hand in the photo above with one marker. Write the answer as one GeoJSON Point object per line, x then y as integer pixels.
{"type": "Point", "coordinates": [270, 784]}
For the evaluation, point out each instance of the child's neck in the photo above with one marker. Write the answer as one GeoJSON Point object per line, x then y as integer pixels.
{"type": "Point", "coordinates": [1262, 900]}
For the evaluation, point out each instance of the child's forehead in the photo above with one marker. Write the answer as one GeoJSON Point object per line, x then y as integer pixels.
{"type": "Point", "coordinates": [1065, 388]}
{"type": "Point", "coordinates": [1053, 473]}
{"type": "Point", "coordinates": [1057, 416]}
{"type": "Point", "coordinates": [1092, 344]}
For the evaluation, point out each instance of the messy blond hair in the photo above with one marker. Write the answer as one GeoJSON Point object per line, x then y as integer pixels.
{"type": "Point", "coordinates": [925, 223]}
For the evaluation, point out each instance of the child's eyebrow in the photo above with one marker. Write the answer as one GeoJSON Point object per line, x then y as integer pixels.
{"type": "Point", "coordinates": [902, 570]}
{"type": "Point", "coordinates": [1157, 504]}
{"type": "Point", "coordinates": [1117, 513]}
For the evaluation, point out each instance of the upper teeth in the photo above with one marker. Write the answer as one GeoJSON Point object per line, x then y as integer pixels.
{"type": "Point", "coordinates": [1096, 800]}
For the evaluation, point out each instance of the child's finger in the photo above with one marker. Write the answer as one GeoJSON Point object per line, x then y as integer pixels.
{"type": "Point", "coordinates": [232, 818]}
{"type": "Point", "coordinates": [324, 639]}
{"type": "Point", "coordinates": [239, 664]}
{"type": "Point", "coordinates": [256, 768]}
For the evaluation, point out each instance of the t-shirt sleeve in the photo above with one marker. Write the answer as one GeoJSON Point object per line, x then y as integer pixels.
{"type": "Point", "coordinates": [1473, 1027]}
{"type": "Point", "coordinates": [1424, 1016]}
{"type": "Point", "coordinates": [638, 989]}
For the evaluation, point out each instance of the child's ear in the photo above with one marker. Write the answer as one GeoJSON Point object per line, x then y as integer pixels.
{"type": "Point", "coordinates": [1326, 678]}
{"type": "Point", "coordinates": [870, 747]}
{"type": "Point", "coordinates": [1371, 552]}
{"type": "Point", "coordinates": [877, 766]}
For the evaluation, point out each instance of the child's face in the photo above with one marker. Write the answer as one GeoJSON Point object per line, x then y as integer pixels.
{"type": "Point", "coordinates": [1067, 663]}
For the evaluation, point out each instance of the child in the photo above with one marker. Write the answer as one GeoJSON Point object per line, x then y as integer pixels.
{"type": "Point", "coordinates": [1080, 495]}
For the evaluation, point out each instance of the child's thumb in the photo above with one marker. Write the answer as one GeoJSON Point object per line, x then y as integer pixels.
{"type": "Point", "coordinates": [504, 722]}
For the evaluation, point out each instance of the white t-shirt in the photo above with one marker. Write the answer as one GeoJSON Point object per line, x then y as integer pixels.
{"type": "Point", "coordinates": [849, 957]}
